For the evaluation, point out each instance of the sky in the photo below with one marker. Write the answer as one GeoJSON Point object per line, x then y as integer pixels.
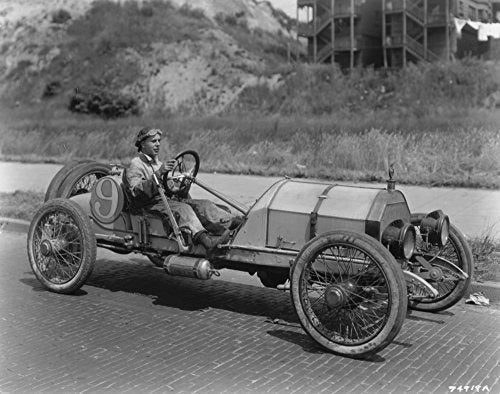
{"type": "Point", "coordinates": [289, 6]}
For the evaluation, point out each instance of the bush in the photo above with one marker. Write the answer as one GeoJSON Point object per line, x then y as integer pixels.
{"type": "Point", "coordinates": [195, 13]}
{"type": "Point", "coordinates": [104, 103]}
{"type": "Point", "coordinates": [52, 88]}
{"type": "Point", "coordinates": [60, 16]}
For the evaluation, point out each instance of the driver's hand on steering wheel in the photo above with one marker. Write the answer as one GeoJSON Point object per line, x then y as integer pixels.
{"type": "Point", "coordinates": [168, 166]}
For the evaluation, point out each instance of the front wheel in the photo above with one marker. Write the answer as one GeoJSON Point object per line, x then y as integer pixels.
{"type": "Point", "coordinates": [349, 293]}
{"type": "Point", "coordinates": [61, 246]}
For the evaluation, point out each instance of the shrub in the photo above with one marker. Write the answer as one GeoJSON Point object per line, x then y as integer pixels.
{"type": "Point", "coordinates": [51, 89]}
{"type": "Point", "coordinates": [60, 16]}
{"type": "Point", "coordinates": [195, 13]}
{"type": "Point", "coordinates": [104, 103]}
{"type": "Point", "coordinates": [231, 20]}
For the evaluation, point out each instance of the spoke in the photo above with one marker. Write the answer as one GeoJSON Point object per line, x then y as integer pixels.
{"type": "Point", "coordinates": [318, 275]}
{"type": "Point", "coordinates": [320, 298]}
{"type": "Point", "coordinates": [74, 256]}
{"type": "Point", "coordinates": [328, 272]}
{"type": "Point", "coordinates": [337, 254]}
{"type": "Point", "coordinates": [58, 227]}
{"type": "Point", "coordinates": [61, 260]}
{"type": "Point", "coordinates": [364, 299]}
{"type": "Point", "coordinates": [352, 315]}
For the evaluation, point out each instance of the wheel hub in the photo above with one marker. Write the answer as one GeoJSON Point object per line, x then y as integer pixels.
{"type": "Point", "coordinates": [49, 247]}
{"type": "Point", "coordinates": [334, 296]}
{"type": "Point", "coordinates": [337, 295]}
{"type": "Point", "coordinates": [46, 248]}
{"type": "Point", "coordinates": [436, 273]}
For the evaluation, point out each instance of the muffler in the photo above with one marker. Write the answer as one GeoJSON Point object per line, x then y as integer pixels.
{"type": "Point", "coordinates": [191, 267]}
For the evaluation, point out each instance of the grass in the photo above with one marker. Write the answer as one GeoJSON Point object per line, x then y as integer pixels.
{"type": "Point", "coordinates": [23, 205]}
{"type": "Point", "coordinates": [269, 145]}
{"type": "Point", "coordinates": [486, 252]}
{"type": "Point", "coordinates": [20, 204]}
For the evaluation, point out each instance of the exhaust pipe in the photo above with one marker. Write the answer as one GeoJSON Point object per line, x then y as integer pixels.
{"type": "Point", "coordinates": [191, 267]}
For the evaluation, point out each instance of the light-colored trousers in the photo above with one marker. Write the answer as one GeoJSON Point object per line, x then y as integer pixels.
{"type": "Point", "coordinates": [198, 215]}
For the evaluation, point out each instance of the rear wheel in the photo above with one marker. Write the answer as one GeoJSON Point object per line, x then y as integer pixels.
{"type": "Point", "coordinates": [450, 286]}
{"type": "Point", "coordinates": [349, 293]}
{"type": "Point", "coordinates": [61, 246]}
{"type": "Point", "coordinates": [59, 178]}
{"type": "Point", "coordinates": [82, 178]}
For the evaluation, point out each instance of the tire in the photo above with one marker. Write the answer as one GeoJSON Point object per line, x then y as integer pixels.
{"type": "Point", "coordinates": [82, 178]}
{"type": "Point", "coordinates": [271, 278]}
{"type": "Point", "coordinates": [59, 178]}
{"type": "Point", "coordinates": [458, 251]}
{"type": "Point", "coordinates": [61, 246]}
{"type": "Point", "coordinates": [156, 260]}
{"type": "Point", "coordinates": [352, 309]}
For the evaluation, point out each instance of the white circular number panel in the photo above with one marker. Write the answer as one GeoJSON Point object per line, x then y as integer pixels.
{"type": "Point", "coordinates": [106, 201]}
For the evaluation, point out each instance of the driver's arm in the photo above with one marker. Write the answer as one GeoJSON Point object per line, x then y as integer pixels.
{"type": "Point", "coordinates": [139, 179]}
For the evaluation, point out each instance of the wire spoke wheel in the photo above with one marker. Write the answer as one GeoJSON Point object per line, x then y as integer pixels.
{"type": "Point", "coordinates": [61, 246]}
{"type": "Point", "coordinates": [58, 247]}
{"type": "Point", "coordinates": [450, 286]}
{"type": "Point", "coordinates": [346, 294]}
{"type": "Point", "coordinates": [85, 183]}
{"type": "Point", "coordinates": [82, 179]}
{"type": "Point", "coordinates": [348, 298]}
{"type": "Point", "coordinates": [59, 178]}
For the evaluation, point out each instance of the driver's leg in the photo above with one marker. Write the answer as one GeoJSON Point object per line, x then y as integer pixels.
{"type": "Point", "coordinates": [187, 219]}
{"type": "Point", "coordinates": [213, 217]}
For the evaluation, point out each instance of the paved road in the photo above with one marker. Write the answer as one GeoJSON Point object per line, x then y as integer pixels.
{"type": "Point", "coordinates": [131, 328]}
{"type": "Point", "coordinates": [473, 211]}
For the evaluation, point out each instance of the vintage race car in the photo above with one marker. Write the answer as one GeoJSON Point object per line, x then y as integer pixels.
{"type": "Point", "coordinates": [353, 258]}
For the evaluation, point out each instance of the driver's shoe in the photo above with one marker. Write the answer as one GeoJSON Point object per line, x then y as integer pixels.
{"type": "Point", "coordinates": [235, 222]}
{"type": "Point", "coordinates": [210, 242]}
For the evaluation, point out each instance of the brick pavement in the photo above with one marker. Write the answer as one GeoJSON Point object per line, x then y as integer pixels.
{"type": "Point", "coordinates": [134, 329]}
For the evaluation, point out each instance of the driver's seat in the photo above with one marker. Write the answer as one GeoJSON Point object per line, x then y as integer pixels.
{"type": "Point", "coordinates": [136, 208]}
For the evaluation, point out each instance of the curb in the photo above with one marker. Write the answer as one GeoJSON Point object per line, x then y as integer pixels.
{"type": "Point", "coordinates": [14, 225]}
{"type": "Point", "coordinates": [490, 290]}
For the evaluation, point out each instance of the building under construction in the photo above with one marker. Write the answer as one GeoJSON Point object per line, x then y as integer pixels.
{"type": "Point", "coordinates": [388, 32]}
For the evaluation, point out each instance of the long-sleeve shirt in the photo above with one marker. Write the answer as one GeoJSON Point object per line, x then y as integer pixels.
{"type": "Point", "coordinates": [139, 180]}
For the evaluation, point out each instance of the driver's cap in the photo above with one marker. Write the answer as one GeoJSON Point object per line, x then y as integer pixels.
{"type": "Point", "coordinates": [144, 133]}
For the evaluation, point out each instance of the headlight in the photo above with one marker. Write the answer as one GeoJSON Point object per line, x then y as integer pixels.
{"type": "Point", "coordinates": [400, 239]}
{"type": "Point", "coordinates": [436, 225]}
{"type": "Point", "coordinates": [409, 240]}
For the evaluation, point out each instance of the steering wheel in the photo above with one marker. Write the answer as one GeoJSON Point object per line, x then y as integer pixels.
{"type": "Point", "coordinates": [178, 181]}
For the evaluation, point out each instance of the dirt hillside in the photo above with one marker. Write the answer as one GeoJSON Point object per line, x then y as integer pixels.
{"type": "Point", "coordinates": [191, 56]}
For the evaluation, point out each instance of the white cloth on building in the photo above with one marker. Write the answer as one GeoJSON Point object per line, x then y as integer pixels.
{"type": "Point", "coordinates": [475, 25]}
{"type": "Point", "coordinates": [459, 25]}
{"type": "Point", "coordinates": [484, 30]}
{"type": "Point", "coordinates": [491, 30]}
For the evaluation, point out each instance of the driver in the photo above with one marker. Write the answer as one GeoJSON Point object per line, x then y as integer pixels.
{"type": "Point", "coordinates": [138, 179]}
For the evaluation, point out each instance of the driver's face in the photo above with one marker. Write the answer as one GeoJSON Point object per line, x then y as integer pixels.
{"type": "Point", "coordinates": [151, 145]}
